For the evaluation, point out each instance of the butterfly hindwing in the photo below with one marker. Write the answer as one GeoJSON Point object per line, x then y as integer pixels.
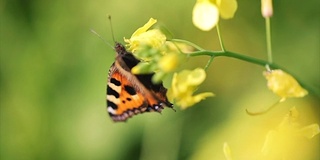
{"type": "Point", "coordinates": [123, 99]}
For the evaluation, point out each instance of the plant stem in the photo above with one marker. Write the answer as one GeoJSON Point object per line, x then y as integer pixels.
{"type": "Point", "coordinates": [268, 37]}
{"type": "Point", "coordinates": [239, 56]}
{"type": "Point", "coordinates": [254, 61]}
{"type": "Point", "coordinates": [233, 55]}
{"type": "Point", "coordinates": [187, 42]}
{"type": "Point", "coordinates": [220, 37]}
{"type": "Point", "coordinates": [209, 62]}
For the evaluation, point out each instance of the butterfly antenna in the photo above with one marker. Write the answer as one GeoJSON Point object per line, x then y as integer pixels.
{"type": "Point", "coordinates": [94, 32]}
{"type": "Point", "coordinates": [110, 21]}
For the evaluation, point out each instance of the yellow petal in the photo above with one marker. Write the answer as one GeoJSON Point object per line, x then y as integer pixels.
{"type": "Point", "coordinates": [196, 77]}
{"type": "Point", "coordinates": [143, 36]}
{"type": "Point", "coordinates": [145, 27]}
{"type": "Point", "coordinates": [283, 84]}
{"type": "Point", "coordinates": [153, 38]}
{"type": "Point", "coordinates": [169, 62]}
{"type": "Point", "coordinates": [227, 151]}
{"type": "Point", "coordinates": [269, 142]}
{"type": "Point", "coordinates": [189, 100]}
{"type": "Point", "coordinates": [227, 8]}
{"type": "Point", "coordinates": [202, 96]}
{"type": "Point", "coordinates": [205, 15]}
{"type": "Point", "coordinates": [310, 131]}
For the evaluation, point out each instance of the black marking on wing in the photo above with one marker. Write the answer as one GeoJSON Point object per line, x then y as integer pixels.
{"type": "Point", "coordinates": [110, 91]}
{"type": "Point", "coordinates": [112, 105]}
{"type": "Point", "coordinates": [130, 90]}
{"type": "Point", "coordinates": [146, 80]}
{"type": "Point", "coordinates": [130, 60]}
{"type": "Point", "coordinates": [115, 82]}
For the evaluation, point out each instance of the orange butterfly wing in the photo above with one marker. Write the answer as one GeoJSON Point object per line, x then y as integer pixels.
{"type": "Point", "coordinates": [129, 94]}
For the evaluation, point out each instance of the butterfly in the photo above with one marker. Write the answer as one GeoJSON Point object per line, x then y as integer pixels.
{"type": "Point", "coordinates": [129, 94]}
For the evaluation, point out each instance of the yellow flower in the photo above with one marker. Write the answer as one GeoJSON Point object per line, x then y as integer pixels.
{"type": "Point", "coordinates": [183, 86]}
{"type": "Point", "coordinates": [283, 84]}
{"type": "Point", "coordinates": [144, 37]}
{"type": "Point", "coordinates": [206, 13]}
{"type": "Point", "coordinates": [156, 54]}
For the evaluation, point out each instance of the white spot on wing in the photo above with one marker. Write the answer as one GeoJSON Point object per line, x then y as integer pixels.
{"type": "Point", "coordinates": [113, 99]}
{"type": "Point", "coordinates": [114, 87]}
{"type": "Point", "coordinates": [111, 110]}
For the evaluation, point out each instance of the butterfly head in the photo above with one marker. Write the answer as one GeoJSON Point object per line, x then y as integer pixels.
{"type": "Point", "coordinates": [120, 49]}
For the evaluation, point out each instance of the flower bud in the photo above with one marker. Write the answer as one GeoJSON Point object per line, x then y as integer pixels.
{"type": "Point", "coordinates": [266, 8]}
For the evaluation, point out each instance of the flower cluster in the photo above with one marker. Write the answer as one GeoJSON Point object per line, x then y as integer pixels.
{"type": "Point", "coordinates": [151, 47]}
{"type": "Point", "coordinates": [163, 57]}
{"type": "Point", "coordinates": [145, 37]}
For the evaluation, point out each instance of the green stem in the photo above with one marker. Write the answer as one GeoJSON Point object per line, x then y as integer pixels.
{"type": "Point", "coordinates": [268, 37]}
{"type": "Point", "coordinates": [220, 38]}
{"type": "Point", "coordinates": [209, 62]}
{"type": "Point", "coordinates": [233, 55]}
{"type": "Point", "coordinates": [187, 42]}
{"type": "Point", "coordinates": [263, 111]}
{"type": "Point", "coordinates": [254, 61]}
{"type": "Point", "coordinates": [239, 56]}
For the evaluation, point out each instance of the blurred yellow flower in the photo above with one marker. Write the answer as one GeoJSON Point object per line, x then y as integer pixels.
{"type": "Point", "coordinates": [184, 84]}
{"type": "Point", "coordinates": [283, 84]}
{"type": "Point", "coordinates": [309, 131]}
{"type": "Point", "coordinates": [169, 62]}
{"type": "Point", "coordinates": [206, 13]}
{"type": "Point", "coordinates": [144, 37]}
{"type": "Point", "coordinates": [227, 151]}
{"type": "Point", "coordinates": [287, 135]}
{"type": "Point", "coordinates": [178, 47]}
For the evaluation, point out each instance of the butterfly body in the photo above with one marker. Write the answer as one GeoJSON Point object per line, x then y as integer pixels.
{"type": "Point", "coordinates": [129, 94]}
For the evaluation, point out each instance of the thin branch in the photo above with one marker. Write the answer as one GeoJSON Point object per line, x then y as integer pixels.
{"type": "Point", "coordinates": [257, 61]}
{"type": "Point", "coordinates": [268, 38]}
{"type": "Point", "coordinates": [188, 42]}
{"type": "Point", "coordinates": [220, 38]}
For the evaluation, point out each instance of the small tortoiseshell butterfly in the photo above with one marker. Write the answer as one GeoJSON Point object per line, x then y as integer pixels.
{"type": "Point", "coordinates": [129, 94]}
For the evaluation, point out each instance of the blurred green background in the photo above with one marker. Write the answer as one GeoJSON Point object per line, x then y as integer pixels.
{"type": "Point", "coordinates": [53, 78]}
